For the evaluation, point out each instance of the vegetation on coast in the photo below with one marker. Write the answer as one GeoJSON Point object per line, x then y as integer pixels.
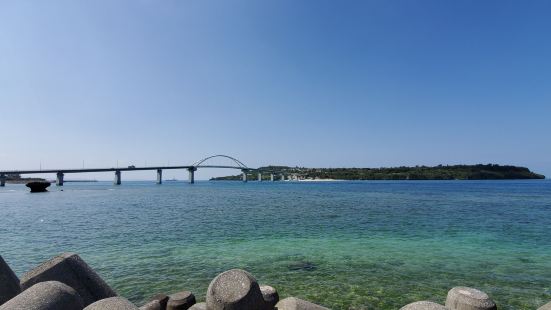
{"type": "Point", "coordinates": [440, 172]}
{"type": "Point", "coordinates": [17, 179]}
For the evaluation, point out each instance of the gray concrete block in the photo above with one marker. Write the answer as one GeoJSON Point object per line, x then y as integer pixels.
{"type": "Point", "coordinates": [70, 269]}
{"type": "Point", "coordinates": [157, 302]}
{"type": "Point", "coordinates": [235, 290]}
{"type": "Point", "coordinates": [423, 305]}
{"type": "Point", "coordinates": [293, 303]}
{"type": "Point", "coordinates": [112, 303]}
{"type": "Point", "coordinates": [180, 301]}
{"type": "Point", "coordinates": [50, 295]}
{"type": "Point", "coordinates": [547, 306]}
{"type": "Point", "coordinates": [9, 283]}
{"type": "Point", "coordinates": [153, 305]}
{"type": "Point", "coordinates": [269, 294]}
{"type": "Point", "coordinates": [466, 298]}
{"type": "Point", "coordinates": [199, 306]}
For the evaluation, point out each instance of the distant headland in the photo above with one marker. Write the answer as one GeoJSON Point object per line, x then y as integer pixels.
{"type": "Point", "coordinates": [17, 179]}
{"type": "Point", "coordinates": [440, 172]}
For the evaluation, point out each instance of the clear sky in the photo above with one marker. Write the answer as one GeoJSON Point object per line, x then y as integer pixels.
{"type": "Point", "coordinates": [300, 83]}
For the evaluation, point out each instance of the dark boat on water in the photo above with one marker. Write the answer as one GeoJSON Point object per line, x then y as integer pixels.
{"type": "Point", "coordinates": [38, 186]}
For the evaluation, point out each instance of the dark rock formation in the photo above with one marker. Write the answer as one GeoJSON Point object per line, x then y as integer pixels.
{"type": "Point", "coordinates": [38, 187]}
{"type": "Point", "coordinates": [302, 265]}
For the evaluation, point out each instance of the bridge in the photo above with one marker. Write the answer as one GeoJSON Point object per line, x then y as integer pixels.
{"type": "Point", "coordinates": [60, 173]}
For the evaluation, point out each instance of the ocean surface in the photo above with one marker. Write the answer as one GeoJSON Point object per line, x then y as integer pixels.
{"type": "Point", "coordinates": [345, 245]}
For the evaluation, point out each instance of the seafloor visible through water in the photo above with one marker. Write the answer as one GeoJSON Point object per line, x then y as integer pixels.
{"type": "Point", "coordinates": [345, 245]}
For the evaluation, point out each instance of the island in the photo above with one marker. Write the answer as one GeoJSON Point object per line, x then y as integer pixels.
{"type": "Point", "coordinates": [440, 172]}
{"type": "Point", "coordinates": [17, 179]}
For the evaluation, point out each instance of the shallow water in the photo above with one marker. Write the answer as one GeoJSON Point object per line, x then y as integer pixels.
{"type": "Point", "coordinates": [346, 245]}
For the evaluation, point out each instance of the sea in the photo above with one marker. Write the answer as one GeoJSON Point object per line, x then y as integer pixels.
{"type": "Point", "coordinates": [344, 245]}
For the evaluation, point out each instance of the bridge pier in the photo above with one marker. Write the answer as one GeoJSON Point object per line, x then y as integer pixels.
{"type": "Point", "coordinates": [117, 180]}
{"type": "Point", "coordinates": [59, 179]}
{"type": "Point", "coordinates": [282, 177]}
{"type": "Point", "coordinates": [159, 176]}
{"type": "Point", "coordinates": [191, 174]}
{"type": "Point", "coordinates": [60, 173]}
{"type": "Point", "coordinates": [272, 177]}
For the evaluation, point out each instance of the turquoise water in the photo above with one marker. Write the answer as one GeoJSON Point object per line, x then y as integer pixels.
{"type": "Point", "coordinates": [346, 245]}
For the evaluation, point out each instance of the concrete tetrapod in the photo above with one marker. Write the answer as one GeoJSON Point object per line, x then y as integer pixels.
{"type": "Point", "coordinates": [235, 289]}
{"type": "Point", "coordinates": [49, 295]}
{"type": "Point", "coordinates": [423, 305]}
{"type": "Point", "coordinates": [112, 303]}
{"type": "Point", "coordinates": [293, 303]}
{"type": "Point", "coordinates": [199, 306]}
{"type": "Point", "coordinates": [547, 306]}
{"type": "Point", "coordinates": [70, 269]}
{"type": "Point", "coordinates": [157, 302]}
{"type": "Point", "coordinates": [9, 283]}
{"type": "Point", "coordinates": [152, 305]}
{"type": "Point", "coordinates": [180, 301]}
{"type": "Point", "coordinates": [466, 298]}
{"type": "Point", "coordinates": [270, 295]}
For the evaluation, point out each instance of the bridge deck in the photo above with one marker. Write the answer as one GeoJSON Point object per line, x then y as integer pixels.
{"type": "Point", "coordinates": [116, 169]}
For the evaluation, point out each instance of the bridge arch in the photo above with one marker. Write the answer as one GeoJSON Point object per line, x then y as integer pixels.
{"type": "Point", "coordinates": [235, 160]}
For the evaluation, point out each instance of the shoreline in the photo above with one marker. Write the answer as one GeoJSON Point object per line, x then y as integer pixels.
{"type": "Point", "coordinates": [319, 180]}
{"type": "Point", "coordinates": [24, 181]}
{"type": "Point", "coordinates": [66, 281]}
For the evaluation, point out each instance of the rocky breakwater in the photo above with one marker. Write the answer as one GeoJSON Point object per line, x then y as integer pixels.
{"type": "Point", "coordinates": [38, 186]}
{"type": "Point", "coordinates": [66, 282]}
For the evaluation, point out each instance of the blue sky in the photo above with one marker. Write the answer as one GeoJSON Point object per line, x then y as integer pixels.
{"type": "Point", "coordinates": [307, 83]}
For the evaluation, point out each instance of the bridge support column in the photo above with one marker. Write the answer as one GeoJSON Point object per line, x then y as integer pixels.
{"type": "Point", "coordinates": [259, 177]}
{"type": "Point", "coordinates": [272, 177]}
{"type": "Point", "coordinates": [3, 180]}
{"type": "Point", "coordinates": [244, 172]}
{"type": "Point", "coordinates": [159, 176]}
{"type": "Point", "coordinates": [282, 177]}
{"type": "Point", "coordinates": [192, 175]}
{"type": "Point", "coordinates": [59, 179]}
{"type": "Point", "coordinates": [117, 180]}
